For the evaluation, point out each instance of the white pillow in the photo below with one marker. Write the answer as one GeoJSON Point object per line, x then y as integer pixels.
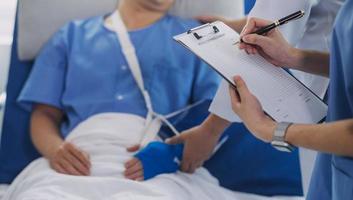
{"type": "Point", "coordinates": [38, 20]}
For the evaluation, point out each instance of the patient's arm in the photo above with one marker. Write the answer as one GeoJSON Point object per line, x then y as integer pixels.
{"type": "Point", "coordinates": [155, 159]}
{"type": "Point", "coordinates": [64, 157]}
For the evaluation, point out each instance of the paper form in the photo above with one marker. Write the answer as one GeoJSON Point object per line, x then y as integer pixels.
{"type": "Point", "coordinates": [282, 96]}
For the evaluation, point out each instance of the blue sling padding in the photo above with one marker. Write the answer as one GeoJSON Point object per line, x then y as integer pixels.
{"type": "Point", "coordinates": [16, 150]}
{"type": "Point", "coordinates": [160, 158]}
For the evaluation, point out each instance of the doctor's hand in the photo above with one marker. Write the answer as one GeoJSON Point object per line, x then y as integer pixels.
{"type": "Point", "coordinates": [70, 160]}
{"type": "Point", "coordinates": [199, 144]}
{"type": "Point", "coordinates": [249, 109]}
{"type": "Point", "coordinates": [272, 46]}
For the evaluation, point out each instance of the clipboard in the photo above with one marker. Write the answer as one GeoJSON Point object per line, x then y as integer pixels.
{"type": "Point", "coordinates": [283, 97]}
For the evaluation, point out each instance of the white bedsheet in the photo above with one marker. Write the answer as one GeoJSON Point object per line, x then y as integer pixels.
{"type": "Point", "coordinates": [105, 137]}
{"type": "Point", "coordinates": [3, 189]}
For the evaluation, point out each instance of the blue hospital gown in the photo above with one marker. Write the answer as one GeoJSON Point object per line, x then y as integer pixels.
{"type": "Point", "coordinates": [82, 71]}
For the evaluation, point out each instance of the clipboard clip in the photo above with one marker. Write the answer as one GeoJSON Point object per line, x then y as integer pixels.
{"type": "Point", "coordinates": [198, 36]}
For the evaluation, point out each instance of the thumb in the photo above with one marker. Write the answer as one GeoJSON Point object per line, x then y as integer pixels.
{"type": "Point", "coordinates": [241, 87]}
{"type": "Point", "coordinates": [175, 140]}
{"type": "Point", "coordinates": [133, 148]}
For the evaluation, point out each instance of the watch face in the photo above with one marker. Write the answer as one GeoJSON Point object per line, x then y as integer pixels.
{"type": "Point", "coordinates": [282, 146]}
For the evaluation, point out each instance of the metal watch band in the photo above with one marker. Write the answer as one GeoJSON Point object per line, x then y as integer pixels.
{"type": "Point", "coordinates": [280, 131]}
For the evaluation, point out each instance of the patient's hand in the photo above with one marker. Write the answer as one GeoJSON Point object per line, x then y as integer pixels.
{"type": "Point", "coordinates": [70, 160]}
{"type": "Point", "coordinates": [134, 170]}
{"type": "Point", "coordinates": [155, 159]}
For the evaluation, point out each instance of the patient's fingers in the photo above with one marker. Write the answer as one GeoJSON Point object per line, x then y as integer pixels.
{"type": "Point", "coordinates": [138, 176]}
{"type": "Point", "coordinates": [131, 162]}
{"type": "Point", "coordinates": [83, 158]}
{"type": "Point", "coordinates": [68, 168]}
{"type": "Point", "coordinates": [58, 168]}
{"type": "Point", "coordinates": [133, 169]}
{"type": "Point", "coordinates": [77, 164]}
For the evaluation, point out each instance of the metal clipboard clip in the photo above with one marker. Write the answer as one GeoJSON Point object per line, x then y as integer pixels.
{"type": "Point", "coordinates": [214, 28]}
{"type": "Point", "coordinates": [206, 33]}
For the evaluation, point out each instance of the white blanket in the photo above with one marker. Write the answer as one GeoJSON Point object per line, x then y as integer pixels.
{"type": "Point", "coordinates": [105, 137]}
{"type": "Point", "coordinates": [3, 189]}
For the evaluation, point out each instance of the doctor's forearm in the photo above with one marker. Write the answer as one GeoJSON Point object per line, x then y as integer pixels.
{"type": "Point", "coordinates": [313, 62]}
{"type": "Point", "coordinates": [335, 138]}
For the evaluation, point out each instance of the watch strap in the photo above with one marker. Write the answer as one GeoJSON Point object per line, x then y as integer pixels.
{"type": "Point", "coordinates": [280, 131]}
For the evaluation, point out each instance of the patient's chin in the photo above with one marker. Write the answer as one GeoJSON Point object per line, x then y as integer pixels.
{"type": "Point", "coordinates": [105, 137]}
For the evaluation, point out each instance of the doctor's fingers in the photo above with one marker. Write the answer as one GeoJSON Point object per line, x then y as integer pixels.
{"type": "Point", "coordinates": [249, 49]}
{"type": "Point", "coordinates": [234, 96]}
{"type": "Point", "coordinates": [253, 24]}
{"type": "Point", "coordinates": [242, 88]}
{"type": "Point", "coordinates": [240, 94]}
{"type": "Point", "coordinates": [252, 41]}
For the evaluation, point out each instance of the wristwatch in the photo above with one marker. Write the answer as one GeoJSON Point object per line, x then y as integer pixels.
{"type": "Point", "coordinates": [278, 141]}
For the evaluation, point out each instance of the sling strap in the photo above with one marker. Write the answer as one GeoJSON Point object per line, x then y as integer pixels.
{"type": "Point", "coordinates": [153, 120]}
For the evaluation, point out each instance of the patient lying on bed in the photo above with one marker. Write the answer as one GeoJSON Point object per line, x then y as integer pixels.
{"type": "Point", "coordinates": [87, 108]}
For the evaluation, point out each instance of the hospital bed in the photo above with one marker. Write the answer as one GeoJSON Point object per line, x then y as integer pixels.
{"type": "Point", "coordinates": [38, 19]}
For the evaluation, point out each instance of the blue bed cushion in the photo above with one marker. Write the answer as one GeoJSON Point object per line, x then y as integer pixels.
{"type": "Point", "coordinates": [16, 149]}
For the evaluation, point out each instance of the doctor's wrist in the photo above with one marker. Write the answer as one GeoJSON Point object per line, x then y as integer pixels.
{"type": "Point", "coordinates": [295, 59]}
{"type": "Point", "coordinates": [266, 130]}
{"type": "Point", "coordinates": [302, 59]}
